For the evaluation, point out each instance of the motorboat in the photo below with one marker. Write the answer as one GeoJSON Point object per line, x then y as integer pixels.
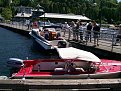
{"type": "Point", "coordinates": [73, 64]}
{"type": "Point", "coordinates": [49, 37]}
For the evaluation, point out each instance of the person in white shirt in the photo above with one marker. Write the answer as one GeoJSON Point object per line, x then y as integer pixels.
{"type": "Point", "coordinates": [73, 27]}
{"type": "Point", "coordinates": [28, 24]}
{"type": "Point", "coordinates": [118, 36]}
{"type": "Point", "coordinates": [81, 32]}
{"type": "Point", "coordinates": [65, 28]}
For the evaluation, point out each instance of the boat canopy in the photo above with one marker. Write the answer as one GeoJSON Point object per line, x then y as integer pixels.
{"type": "Point", "coordinates": [74, 53]}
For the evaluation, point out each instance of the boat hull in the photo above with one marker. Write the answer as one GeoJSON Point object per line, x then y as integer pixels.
{"type": "Point", "coordinates": [48, 45]}
{"type": "Point", "coordinates": [42, 43]}
{"type": "Point", "coordinates": [56, 69]}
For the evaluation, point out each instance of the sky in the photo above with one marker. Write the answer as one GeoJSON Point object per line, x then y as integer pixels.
{"type": "Point", "coordinates": [119, 0]}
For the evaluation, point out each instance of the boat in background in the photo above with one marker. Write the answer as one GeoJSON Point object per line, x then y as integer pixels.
{"type": "Point", "coordinates": [73, 63]}
{"type": "Point", "coordinates": [49, 37]}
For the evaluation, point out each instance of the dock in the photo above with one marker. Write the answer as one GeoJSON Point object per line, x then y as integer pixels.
{"type": "Point", "coordinates": [60, 85]}
{"type": "Point", "coordinates": [16, 28]}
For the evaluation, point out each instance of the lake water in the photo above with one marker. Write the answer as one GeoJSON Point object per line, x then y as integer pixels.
{"type": "Point", "coordinates": [14, 45]}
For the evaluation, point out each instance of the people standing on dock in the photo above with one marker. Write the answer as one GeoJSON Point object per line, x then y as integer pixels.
{"type": "Point", "coordinates": [81, 31]}
{"type": "Point", "coordinates": [96, 32]}
{"type": "Point", "coordinates": [89, 31]}
{"type": "Point", "coordinates": [73, 26]}
{"type": "Point", "coordinates": [65, 28]}
{"type": "Point", "coordinates": [77, 30]}
{"type": "Point", "coordinates": [31, 23]}
{"type": "Point", "coordinates": [28, 24]}
{"type": "Point", "coordinates": [118, 36]}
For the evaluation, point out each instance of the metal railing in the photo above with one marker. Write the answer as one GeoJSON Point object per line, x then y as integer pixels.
{"type": "Point", "coordinates": [106, 39]}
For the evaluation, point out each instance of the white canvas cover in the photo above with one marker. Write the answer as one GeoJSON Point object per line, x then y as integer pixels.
{"type": "Point", "coordinates": [74, 53]}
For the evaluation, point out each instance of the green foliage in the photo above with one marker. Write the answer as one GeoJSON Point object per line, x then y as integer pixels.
{"type": "Point", "coordinates": [15, 2]}
{"type": "Point", "coordinates": [7, 13]}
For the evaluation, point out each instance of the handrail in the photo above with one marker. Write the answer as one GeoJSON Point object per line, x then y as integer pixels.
{"type": "Point", "coordinates": [106, 38]}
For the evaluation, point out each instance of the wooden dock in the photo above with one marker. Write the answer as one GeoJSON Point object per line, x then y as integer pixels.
{"type": "Point", "coordinates": [60, 85]}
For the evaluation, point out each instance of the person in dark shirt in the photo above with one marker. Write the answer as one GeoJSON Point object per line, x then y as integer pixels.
{"type": "Point", "coordinates": [73, 27]}
{"type": "Point", "coordinates": [46, 34]}
{"type": "Point", "coordinates": [119, 35]}
{"type": "Point", "coordinates": [77, 30]}
{"type": "Point", "coordinates": [96, 32]}
{"type": "Point", "coordinates": [89, 28]}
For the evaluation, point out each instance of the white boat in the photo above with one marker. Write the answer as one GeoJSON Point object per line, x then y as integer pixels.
{"type": "Point", "coordinates": [49, 37]}
{"type": "Point", "coordinates": [74, 63]}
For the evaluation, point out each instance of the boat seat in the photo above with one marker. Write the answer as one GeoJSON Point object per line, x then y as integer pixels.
{"type": "Point", "coordinates": [80, 69]}
{"type": "Point", "coordinates": [58, 69]}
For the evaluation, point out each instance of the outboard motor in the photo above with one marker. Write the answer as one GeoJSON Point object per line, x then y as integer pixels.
{"type": "Point", "coordinates": [14, 65]}
{"type": "Point", "coordinates": [62, 44]}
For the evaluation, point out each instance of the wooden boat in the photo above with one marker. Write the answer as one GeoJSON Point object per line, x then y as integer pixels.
{"type": "Point", "coordinates": [81, 64]}
{"type": "Point", "coordinates": [49, 37]}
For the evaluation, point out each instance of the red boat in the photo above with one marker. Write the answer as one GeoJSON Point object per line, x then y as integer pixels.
{"type": "Point", "coordinates": [85, 65]}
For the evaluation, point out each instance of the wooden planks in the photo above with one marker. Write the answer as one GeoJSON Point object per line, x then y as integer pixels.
{"type": "Point", "coordinates": [25, 85]}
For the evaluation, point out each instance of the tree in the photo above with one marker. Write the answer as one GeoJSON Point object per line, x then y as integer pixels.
{"type": "Point", "coordinates": [7, 13]}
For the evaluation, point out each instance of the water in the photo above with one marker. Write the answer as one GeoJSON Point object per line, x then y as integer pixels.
{"type": "Point", "coordinates": [14, 45]}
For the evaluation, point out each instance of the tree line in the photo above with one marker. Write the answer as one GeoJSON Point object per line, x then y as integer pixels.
{"type": "Point", "coordinates": [109, 11]}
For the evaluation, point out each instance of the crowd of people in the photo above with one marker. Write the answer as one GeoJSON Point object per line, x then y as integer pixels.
{"type": "Point", "coordinates": [82, 34]}
{"type": "Point", "coordinates": [118, 36]}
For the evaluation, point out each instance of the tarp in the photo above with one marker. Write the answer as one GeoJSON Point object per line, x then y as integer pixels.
{"type": "Point", "coordinates": [74, 53]}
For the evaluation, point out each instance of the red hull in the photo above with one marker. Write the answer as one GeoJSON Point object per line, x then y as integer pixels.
{"type": "Point", "coordinates": [106, 69]}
